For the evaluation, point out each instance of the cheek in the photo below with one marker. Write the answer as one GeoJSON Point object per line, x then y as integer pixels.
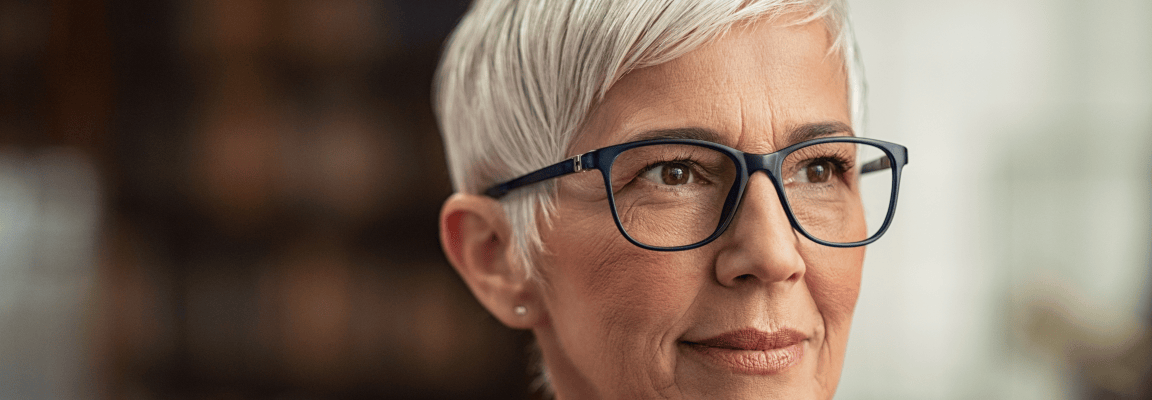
{"type": "Point", "coordinates": [833, 277]}
{"type": "Point", "coordinates": [616, 287]}
{"type": "Point", "coordinates": [613, 304]}
{"type": "Point", "coordinates": [592, 267]}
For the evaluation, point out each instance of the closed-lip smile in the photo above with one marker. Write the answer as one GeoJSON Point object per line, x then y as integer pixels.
{"type": "Point", "coordinates": [751, 351]}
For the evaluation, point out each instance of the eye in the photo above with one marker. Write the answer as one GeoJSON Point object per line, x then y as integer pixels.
{"type": "Point", "coordinates": [670, 173]}
{"type": "Point", "coordinates": [818, 171]}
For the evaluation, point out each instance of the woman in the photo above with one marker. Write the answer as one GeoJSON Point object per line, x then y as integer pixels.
{"type": "Point", "coordinates": [607, 158]}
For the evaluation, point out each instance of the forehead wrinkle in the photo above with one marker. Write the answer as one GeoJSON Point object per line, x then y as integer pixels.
{"type": "Point", "coordinates": [749, 139]}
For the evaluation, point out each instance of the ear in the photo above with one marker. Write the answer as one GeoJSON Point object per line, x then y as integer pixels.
{"type": "Point", "coordinates": [476, 238]}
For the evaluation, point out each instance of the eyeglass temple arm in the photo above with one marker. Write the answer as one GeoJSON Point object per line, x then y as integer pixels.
{"type": "Point", "coordinates": [578, 163]}
{"type": "Point", "coordinates": [878, 164]}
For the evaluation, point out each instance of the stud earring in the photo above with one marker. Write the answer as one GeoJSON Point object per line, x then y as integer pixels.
{"type": "Point", "coordinates": [520, 310]}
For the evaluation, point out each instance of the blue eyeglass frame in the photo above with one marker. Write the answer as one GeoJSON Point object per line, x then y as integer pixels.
{"type": "Point", "coordinates": [747, 164]}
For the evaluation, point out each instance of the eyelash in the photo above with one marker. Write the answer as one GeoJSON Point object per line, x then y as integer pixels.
{"type": "Point", "coordinates": [694, 165]}
{"type": "Point", "coordinates": [842, 164]}
{"type": "Point", "coordinates": [839, 161]}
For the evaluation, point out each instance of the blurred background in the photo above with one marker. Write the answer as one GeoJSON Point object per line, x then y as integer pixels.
{"type": "Point", "coordinates": [237, 199]}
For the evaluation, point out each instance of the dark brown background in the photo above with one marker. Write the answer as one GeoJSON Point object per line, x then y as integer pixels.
{"type": "Point", "coordinates": [270, 176]}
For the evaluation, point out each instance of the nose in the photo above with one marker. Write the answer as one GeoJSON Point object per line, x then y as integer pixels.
{"type": "Point", "coordinates": [761, 246]}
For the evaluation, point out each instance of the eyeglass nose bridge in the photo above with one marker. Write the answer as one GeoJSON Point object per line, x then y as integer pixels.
{"type": "Point", "coordinates": [753, 163]}
{"type": "Point", "coordinates": [762, 162]}
{"type": "Point", "coordinates": [769, 164]}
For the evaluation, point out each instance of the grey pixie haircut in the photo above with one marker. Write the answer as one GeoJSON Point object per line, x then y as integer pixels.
{"type": "Point", "coordinates": [518, 77]}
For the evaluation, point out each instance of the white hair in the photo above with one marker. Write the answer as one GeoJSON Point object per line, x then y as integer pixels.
{"type": "Point", "coordinates": [518, 77]}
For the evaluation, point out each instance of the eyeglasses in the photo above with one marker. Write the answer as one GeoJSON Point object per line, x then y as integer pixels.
{"type": "Point", "coordinates": [680, 194]}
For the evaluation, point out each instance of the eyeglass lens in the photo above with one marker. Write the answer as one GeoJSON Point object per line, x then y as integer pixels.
{"type": "Point", "coordinates": [670, 195]}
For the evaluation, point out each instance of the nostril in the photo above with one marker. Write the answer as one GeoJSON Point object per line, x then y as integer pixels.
{"type": "Point", "coordinates": [794, 277]}
{"type": "Point", "coordinates": [745, 277]}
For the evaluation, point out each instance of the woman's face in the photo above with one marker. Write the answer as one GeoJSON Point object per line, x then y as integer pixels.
{"type": "Point", "coordinates": [762, 312]}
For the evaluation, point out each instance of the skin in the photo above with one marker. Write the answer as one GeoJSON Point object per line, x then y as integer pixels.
{"type": "Point", "coordinates": [611, 318]}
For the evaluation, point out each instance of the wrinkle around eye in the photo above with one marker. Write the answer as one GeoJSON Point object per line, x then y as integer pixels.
{"type": "Point", "coordinates": [626, 211]}
{"type": "Point", "coordinates": [584, 186]}
{"type": "Point", "coordinates": [607, 260]}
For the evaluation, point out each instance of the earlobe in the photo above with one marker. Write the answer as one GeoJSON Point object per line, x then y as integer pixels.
{"type": "Point", "coordinates": [475, 235]}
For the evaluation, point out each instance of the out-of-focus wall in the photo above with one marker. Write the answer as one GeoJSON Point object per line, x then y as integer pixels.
{"type": "Point", "coordinates": [1018, 266]}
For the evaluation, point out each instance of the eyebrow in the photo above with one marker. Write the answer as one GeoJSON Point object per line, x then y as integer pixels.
{"type": "Point", "coordinates": [706, 135]}
{"type": "Point", "coordinates": [795, 135]}
{"type": "Point", "coordinates": [817, 130]}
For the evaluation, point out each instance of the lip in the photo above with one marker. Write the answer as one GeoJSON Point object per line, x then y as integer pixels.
{"type": "Point", "coordinates": [751, 351]}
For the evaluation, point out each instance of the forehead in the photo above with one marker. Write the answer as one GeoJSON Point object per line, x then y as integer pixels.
{"type": "Point", "coordinates": [751, 87]}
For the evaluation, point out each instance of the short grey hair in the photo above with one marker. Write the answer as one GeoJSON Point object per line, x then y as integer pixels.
{"type": "Point", "coordinates": [518, 77]}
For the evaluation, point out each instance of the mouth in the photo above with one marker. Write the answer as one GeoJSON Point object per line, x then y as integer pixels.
{"type": "Point", "coordinates": [751, 351]}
